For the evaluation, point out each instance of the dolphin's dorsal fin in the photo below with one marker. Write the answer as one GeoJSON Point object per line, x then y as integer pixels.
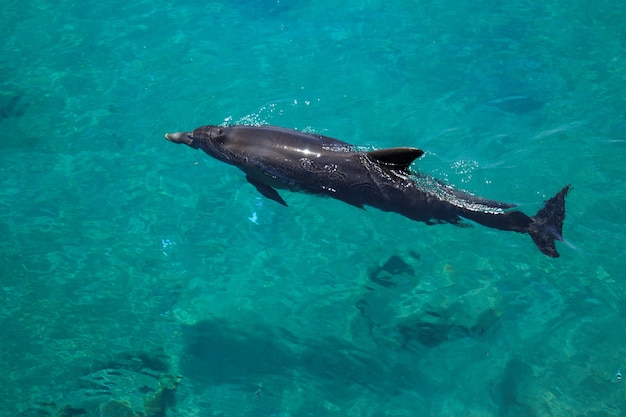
{"type": "Point", "coordinates": [395, 157]}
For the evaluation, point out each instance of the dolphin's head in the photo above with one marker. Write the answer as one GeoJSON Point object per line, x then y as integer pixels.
{"type": "Point", "coordinates": [211, 139]}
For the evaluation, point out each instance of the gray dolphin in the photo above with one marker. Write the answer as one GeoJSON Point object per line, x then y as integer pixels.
{"type": "Point", "coordinates": [277, 158]}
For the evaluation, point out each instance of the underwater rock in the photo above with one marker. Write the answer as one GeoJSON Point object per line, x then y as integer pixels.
{"type": "Point", "coordinates": [433, 328]}
{"type": "Point", "coordinates": [395, 265]}
{"type": "Point", "coordinates": [128, 388]}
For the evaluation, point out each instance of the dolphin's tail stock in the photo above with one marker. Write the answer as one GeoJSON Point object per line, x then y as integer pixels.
{"type": "Point", "coordinates": [544, 228]}
{"type": "Point", "coordinates": [547, 224]}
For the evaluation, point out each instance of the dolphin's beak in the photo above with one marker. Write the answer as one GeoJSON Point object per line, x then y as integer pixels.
{"type": "Point", "coordinates": [179, 137]}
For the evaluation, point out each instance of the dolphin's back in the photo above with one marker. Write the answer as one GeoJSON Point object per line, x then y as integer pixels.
{"type": "Point", "coordinates": [286, 139]}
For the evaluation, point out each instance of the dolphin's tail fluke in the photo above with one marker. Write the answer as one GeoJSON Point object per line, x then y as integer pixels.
{"type": "Point", "coordinates": [547, 224]}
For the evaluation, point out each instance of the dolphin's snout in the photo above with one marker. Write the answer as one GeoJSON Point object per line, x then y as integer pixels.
{"type": "Point", "coordinates": [179, 137]}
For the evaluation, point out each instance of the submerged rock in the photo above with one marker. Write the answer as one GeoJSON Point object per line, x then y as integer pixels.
{"type": "Point", "coordinates": [129, 388]}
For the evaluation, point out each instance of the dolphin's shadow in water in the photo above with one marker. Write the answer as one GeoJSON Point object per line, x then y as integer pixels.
{"type": "Point", "coordinates": [219, 352]}
{"type": "Point", "coordinates": [11, 106]}
{"type": "Point", "coordinates": [515, 104]}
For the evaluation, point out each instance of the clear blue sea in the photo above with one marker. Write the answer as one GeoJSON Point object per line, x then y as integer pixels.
{"type": "Point", "coordinates": [142, 278]}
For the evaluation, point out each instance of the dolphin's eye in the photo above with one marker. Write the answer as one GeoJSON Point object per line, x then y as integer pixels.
{"type": "Point", "coordinates": [220, 131]}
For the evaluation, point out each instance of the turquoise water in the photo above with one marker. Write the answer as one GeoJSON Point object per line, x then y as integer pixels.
{"type": "Point", "coordinates": [133, 281]}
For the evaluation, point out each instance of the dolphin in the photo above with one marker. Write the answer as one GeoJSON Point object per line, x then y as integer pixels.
{"type": "Point", "coordinates": [274, 158]}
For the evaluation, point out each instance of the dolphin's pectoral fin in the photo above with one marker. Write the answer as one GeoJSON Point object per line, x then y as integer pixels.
{"type": "Point", "coordinates": [396, 157]}
{"type": "Point", "coordinates": [266, 190]}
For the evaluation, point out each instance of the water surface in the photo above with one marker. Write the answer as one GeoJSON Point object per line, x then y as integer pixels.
{"type": "Point", "coordinates": [133, 279]}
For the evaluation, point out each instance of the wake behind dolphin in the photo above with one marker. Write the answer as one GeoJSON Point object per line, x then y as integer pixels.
{"type": "Point", "coordinates": [277, 158]}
